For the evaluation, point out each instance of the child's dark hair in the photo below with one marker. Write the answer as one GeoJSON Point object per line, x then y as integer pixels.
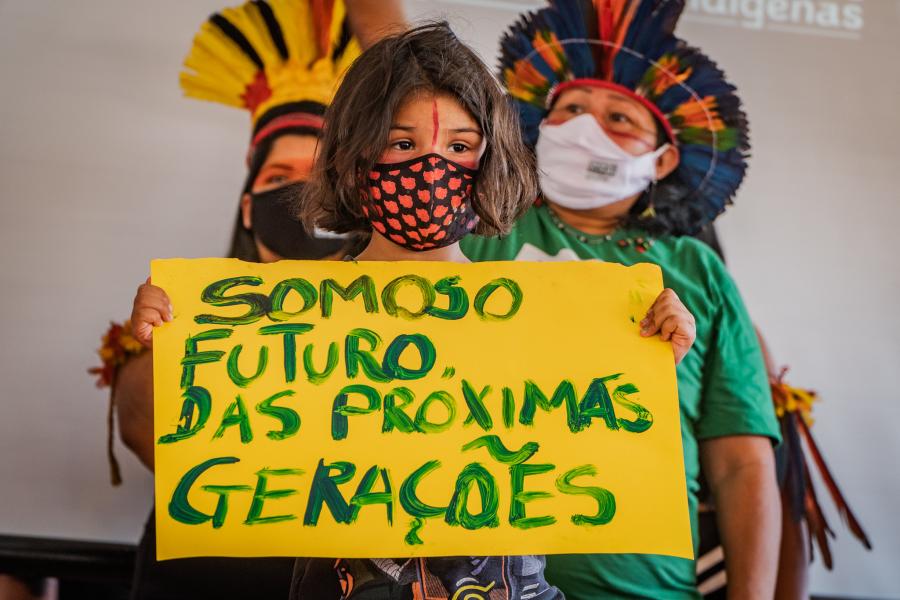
{"type": "Point", "coordinates": [428, 58]}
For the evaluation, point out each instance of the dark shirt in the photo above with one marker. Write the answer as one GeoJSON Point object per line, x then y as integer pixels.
{"type": "Point", "coordinates": [202, 578]}
{"type": "Point", "coordinates": [471, 577]}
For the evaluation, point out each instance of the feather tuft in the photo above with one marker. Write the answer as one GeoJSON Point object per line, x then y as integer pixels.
{"type": "Point", "coordinates": [794, 407]}
{"type": "Point", "coordinates": [269, 53]}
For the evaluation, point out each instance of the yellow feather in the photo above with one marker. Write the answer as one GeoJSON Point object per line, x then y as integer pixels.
{"type": "Point", "coordinates": [337, 22]}
{"type": "Point", "coordinates": [217, 70]}
{"type": "Point", "coordinates": [204, 64]}
{"type": "Point", "coordinates": [205, 89]}
{"type": "Point", "coordinates": [248, 20]}
{"type": "Point", "coordinates": [213, 51]}
{"type": "Point", "coordinates": [350, 55]}
{"type": "Point", "coordinates": [296, 20]}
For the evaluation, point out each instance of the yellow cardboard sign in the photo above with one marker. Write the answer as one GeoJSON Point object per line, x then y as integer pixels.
{"type": "Point", "coordinates": [339, 409]}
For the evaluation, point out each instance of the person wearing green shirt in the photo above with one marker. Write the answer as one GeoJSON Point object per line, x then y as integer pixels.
{"type": "Point", "coordinates": [640, 143]}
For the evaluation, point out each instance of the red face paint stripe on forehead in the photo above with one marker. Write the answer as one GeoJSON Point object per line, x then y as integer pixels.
{"type": "Point", "coordinates": [437, 122]}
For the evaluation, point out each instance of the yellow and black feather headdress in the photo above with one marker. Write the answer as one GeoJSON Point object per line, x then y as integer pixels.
{"type": "Point", "coordinates": [281, 60]}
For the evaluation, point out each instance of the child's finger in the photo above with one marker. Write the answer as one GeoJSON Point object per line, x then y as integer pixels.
{"type": "Point", "coordinates": [667, 296]}
{"type": "Point", "coordinates": [143, 322]}
{"type": "Point", "coordinates": [666, 306]}
{"type": "Point", "coordinates": [148, 288]}
{"type": "Point", "coordinates": [152, 293]}
{"type": "Point", "coordinates": [152, 290]}
{"type": "Point", "coordinates": [158, 304]}
{"type": "Point", "coordinates": [669, 326]}
{"type": "Point", "coordinates": [657, 316]}
{"type": "Point", "coordinates": [657, 320]}
{"type": "Point", "coordinates": [648, 325]}
{"type": "Point", "coordinates": [154, 301]}
{"type": "Point", "coordinates": [148, 315]}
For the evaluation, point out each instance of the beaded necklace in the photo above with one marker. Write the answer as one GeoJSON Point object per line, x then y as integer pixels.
{"type": "Point", "coordinates": [640, 243]}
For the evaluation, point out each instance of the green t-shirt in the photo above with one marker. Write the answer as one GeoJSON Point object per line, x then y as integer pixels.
{"type": "Point", "coordinates": [723, 387]}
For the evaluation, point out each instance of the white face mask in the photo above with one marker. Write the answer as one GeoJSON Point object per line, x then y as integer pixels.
{"type": "Point", "coordinates": [581, 168]}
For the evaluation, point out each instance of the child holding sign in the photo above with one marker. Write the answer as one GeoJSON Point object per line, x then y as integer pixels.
{"type": "Point", "coordinates": [421, 149]}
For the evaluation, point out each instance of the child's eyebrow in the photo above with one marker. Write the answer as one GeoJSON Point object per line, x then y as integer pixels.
{"type": "Point", "coordinates": [456, 130]}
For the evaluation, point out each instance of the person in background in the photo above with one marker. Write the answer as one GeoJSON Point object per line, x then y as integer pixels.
{"type": "Point", "coordinates": [284, 79]}
{"type": "Point", "coordinates": [803, 523]}
{"type": "Point", "coordinates": [640, 143]}
{"type": "Point", "coordinates": [420, 109]}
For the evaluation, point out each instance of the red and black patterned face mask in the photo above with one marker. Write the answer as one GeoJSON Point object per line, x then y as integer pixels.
{"type": "Point", "coordinates": [421, 204]}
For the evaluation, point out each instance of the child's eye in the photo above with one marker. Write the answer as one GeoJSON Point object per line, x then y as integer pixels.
{"type": "Point", "coordinates": [618, 117]}
{"type": "Point", "coordinates": [458, 147]}
{"type": "Point", "coordinates": [574, 109]}
{"type": "Point", "coordinates": [403, 145]}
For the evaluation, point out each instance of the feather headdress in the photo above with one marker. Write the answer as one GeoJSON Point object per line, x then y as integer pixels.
{"type": "Point", "coordinates": [281, 60]}
{"type": "Point", "coordinates": [794, 408]}
{"type": "Point", "coordinates": [629, 46]}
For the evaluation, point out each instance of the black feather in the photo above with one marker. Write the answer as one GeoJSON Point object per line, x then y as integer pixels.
{"type": "Point", "coordinates": [235, 35]}
{"type": "Point", "coordinates": [274, 28]}
{"type": "Point", "coordinates": [343, 42]}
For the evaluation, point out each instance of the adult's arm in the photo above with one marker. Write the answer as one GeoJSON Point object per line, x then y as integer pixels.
{"type": "Point", "coordinates": [133, 397]}
{"type": "Point", "coordinates": [793, 559]}
{"type": "Point", "coordinates": [371, 20]}
{"type": "Point", "coordinates": [740, 471]}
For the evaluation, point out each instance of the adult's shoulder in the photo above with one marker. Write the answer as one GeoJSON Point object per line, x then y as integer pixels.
{"type": "Point", "coordinates": [691, 247]}
{"type": "Point", "coordinates": [500, 247]}
{"type": "Point", "coordinates": [693, 265]}
{"type": "Point", "coordinates": [695, 255]}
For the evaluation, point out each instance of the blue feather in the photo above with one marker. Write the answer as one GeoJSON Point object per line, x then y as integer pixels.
{"type": "Point", "coordinates": [650, 34]}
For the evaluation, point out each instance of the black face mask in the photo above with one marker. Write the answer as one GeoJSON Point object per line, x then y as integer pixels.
{"type": "Point", "coordinates": [276, 227]}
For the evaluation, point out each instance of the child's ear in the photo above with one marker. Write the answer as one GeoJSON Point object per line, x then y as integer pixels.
{"type": "Point", "coordinates": [247, 211]}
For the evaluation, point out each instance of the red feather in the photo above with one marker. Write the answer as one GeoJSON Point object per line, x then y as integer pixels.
{"type": "Point", "coordinates": [323, 13]}
{"type": "Point", "coordinates": [796, 430]}
{"type": "Point", "coordinates": [833, 489]}
{"type": "Point", "coordinates": [819, 530]}
{"type": "Point", "coordinates": [606, 33]}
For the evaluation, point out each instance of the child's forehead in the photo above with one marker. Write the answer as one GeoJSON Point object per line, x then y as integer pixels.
{"type": "Point", "coordinates": [423, 105]}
